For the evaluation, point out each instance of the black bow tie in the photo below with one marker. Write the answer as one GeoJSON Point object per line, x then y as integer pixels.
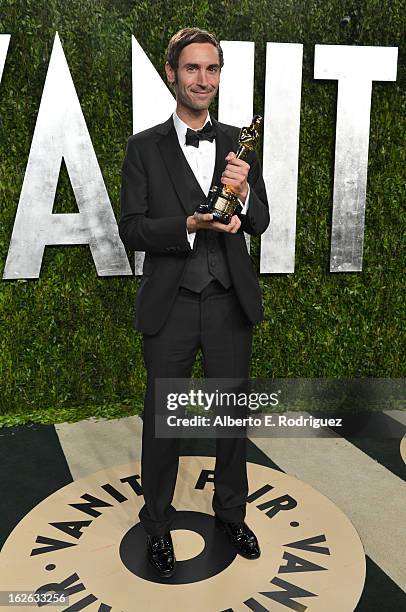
{"type": "Point", "coordinates": [193, 137]}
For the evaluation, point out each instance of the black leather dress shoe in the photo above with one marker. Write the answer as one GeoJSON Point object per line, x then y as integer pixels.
{"type": "Point", "coordinates": [241, 537]}
{"type": "Point", "coordinates": [161, 555]}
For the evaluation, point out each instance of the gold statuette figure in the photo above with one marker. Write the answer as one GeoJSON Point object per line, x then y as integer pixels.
{"type": "Point", "coordinates": [221, 201]}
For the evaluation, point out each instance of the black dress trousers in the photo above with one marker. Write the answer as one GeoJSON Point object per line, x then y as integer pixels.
{"type": "Point", "coordinates": [216, 323]}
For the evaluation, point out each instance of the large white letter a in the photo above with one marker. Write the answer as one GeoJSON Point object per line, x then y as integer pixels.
{"type": "Point", "coordinates": [61, 132]}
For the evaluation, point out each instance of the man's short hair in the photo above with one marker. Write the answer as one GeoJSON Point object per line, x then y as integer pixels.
{"type": "Point", "coordinates": [186, 37]}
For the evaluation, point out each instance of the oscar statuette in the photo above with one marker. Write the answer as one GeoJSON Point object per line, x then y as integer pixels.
{"type": "Point", "coordinates": [221, 201]}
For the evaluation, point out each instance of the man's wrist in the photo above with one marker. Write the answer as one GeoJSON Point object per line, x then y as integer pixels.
{"type": "Point", "coordinates": [243, 196]}
{"type": "Point", "coordinates": [245, 205]}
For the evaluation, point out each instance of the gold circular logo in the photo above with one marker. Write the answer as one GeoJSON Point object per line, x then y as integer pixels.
{"type": "Point", "coordinates": [403, 448]}
{"type": "Point", "coordinates": [86, 540]}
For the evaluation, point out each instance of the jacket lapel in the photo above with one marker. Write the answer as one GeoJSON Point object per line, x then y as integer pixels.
{"type": "Point", "coordinates": [186, 186]}
{"type": "Point", "coordinates": [184, 181]}
{"type": "Point", "coordinates": [224, 145]}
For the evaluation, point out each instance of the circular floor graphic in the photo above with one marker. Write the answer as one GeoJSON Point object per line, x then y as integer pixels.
{"type": "Point", "coordinates": [86, 540]}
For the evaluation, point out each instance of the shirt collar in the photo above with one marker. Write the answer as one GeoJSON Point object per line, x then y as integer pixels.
{"type": "Point", "coordinates": [181, 127]}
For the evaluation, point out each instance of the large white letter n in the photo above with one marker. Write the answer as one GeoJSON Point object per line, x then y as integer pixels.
{"type": "Point", "coordinates": [61, 132]}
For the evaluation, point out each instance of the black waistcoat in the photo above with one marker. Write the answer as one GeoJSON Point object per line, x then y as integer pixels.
{"type": "Point", "coordinates": [208, 260]}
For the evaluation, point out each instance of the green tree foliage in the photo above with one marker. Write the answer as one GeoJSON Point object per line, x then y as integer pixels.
{"type": "Point", "coordinates": [67, 339]}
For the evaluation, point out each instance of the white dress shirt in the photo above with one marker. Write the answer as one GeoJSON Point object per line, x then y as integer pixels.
{"type": "Point", "coordinates": [201, 160]}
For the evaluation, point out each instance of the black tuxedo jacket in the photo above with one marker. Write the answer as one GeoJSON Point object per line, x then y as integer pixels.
{"type": "Point", "coordinates": [158, 192]}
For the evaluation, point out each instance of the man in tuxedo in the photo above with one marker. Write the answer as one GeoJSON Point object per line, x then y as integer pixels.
{"type": "Point", "coordinates": [199, 288]}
